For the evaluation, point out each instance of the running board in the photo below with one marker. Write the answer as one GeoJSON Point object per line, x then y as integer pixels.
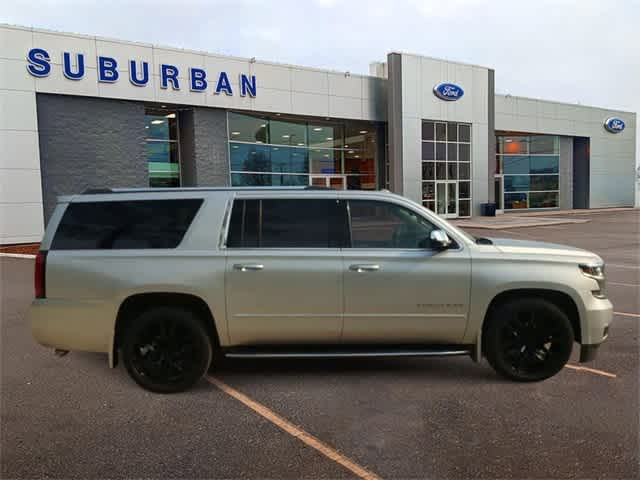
{"type": "Point", "coordinates": [359, 353]}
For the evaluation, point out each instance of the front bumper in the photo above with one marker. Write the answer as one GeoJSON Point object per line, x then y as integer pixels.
{"type": "Point", "coordinates": [595, 328]}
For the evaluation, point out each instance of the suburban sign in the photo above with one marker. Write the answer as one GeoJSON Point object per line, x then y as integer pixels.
{"type": "Point", "coordinates": [448, 91]}
{"type": "Point", "coordinates": [108, 71]}
{"type": "Point", "coordinates": [614, 125]}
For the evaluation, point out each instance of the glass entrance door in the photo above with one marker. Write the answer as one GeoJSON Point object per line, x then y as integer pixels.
{"type": "Point", "coordinates": [447, 199]}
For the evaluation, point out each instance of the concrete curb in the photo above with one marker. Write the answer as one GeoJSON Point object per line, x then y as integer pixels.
{"type": "Point", "coordinates": [16, 255]}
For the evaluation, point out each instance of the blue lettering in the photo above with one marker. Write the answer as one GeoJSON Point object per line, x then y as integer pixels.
{"type": "Point", "coordinates": [133, 73]}
{"type": "Point", "coordinates": [224, 84]}
{"type": "Point", "coordinates": [247, 85]}
{"type": "Point", "coordinates": [107, 69]}
{"type": "Point", "coordinates": [198, 82]}
{"type": "Point", "coordinates": [39, 65]}
{"type": "Point", "coordinates": [169, 73]}
{"type": "Point", "coordinates": [67, 67]}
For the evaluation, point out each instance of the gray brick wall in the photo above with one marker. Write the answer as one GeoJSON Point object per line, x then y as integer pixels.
{"type": "Point", "coordinates": [210, 147]}
{"type": "Point", "coordinates": [89, 142]}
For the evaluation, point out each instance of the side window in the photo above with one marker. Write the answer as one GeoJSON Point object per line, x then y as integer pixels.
{"type": "Point", "coordinates": [243, 226]}
{"type": "Point", "coordinates": [287, 223]}
{"type": "Point", "coordinates": [377, 224]}
{"type": "Point", "coordinates": [119, 225]}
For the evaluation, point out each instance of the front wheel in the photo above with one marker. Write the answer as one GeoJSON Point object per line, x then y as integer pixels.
{"type": "Point", "coordinates": [528, 339]}
{"type": "Point", "coordinates": [166, 350]}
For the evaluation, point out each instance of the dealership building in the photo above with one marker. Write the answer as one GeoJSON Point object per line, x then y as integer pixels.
{"type": "Point", "coordinates": [84, 112]}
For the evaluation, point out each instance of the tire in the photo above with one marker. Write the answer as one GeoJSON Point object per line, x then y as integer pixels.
{"type": "Point", "coordinates": [528, 339]}
{"type": "Point", "coordinates": [166, 350]}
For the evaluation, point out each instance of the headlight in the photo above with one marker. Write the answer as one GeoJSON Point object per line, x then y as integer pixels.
{"type": "Point", "coordinates": [595, 271]}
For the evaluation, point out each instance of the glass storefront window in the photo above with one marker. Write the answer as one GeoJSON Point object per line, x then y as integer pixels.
{"type": "Point", "coordinates": [246, 128]}
{"type": "Point", "coordinates": [428, 131]}
{"type": "Point", "coordinates": [516, 183]}
{"type": "Point", "coordinates": [464, 152]}
{"type": "Point", "coordinates": [513, 165]}
{"type": "Point", "coordinates": [268, 180]}
{"type": "Point", "coordinates": [544, 164]}
{"type": "Point", "coordinates": [530, 165]}
{"type": "Point", "coordinates": [428, 151]}
{"type": "Point", "coordinates": [335, 154]}
{"type": "Point", "coordinates": [325, 136]}
{"type": "Point", "coordinates": [515, 201]}
{"type": "Point", "coordinates": [464, 133]}
{"type": "Point", "coordinates": [325, 161]}
{"type": "Point", "coordinates": [428, 170]}
{"type": "Point", "coordinates": [162, 148]}
{"type": "Point", "coordinates": [543, 182]}
{"type": "Point", "coordinates": [541, 144]}
{"type": "Point", "coordinates": [543, 199]}
{"type": "Point", "coordinates": [510, 145]}
{"type": "Point", "coordinates": [464, 171]}
{"type": "Point", "coordinates": [287, 133]}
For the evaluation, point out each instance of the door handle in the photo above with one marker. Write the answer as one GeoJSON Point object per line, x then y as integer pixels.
{"type": "Point", "coordinates": [248, 267]}
{"type": "Point", "coordinates": [360, 268]}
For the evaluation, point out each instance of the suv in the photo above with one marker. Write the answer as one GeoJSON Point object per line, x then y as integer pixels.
{"type": "Point", "coordinates": [166, 278]}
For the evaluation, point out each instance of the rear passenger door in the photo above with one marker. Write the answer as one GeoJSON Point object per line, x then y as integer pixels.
{"type": "Point", "coordinates": [284, 270]}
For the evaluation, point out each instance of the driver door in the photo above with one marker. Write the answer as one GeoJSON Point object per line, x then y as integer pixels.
{"type": "Point", "coordinates": [397, 289]}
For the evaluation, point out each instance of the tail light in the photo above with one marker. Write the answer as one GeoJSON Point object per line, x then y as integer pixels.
{"type": "Point", "coordinates": [39, 274]}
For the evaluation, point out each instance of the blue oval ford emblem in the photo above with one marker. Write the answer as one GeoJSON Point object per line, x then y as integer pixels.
{"type": "Point", "coordinates": [614, 125]}
{"type": "Point", "coordinates": [448, 91]}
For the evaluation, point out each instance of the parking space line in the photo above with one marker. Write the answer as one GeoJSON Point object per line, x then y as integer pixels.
{"type": "Point", "coordinates": [591, 370]}
{"type": "Point", "coordinates": [294, 431]}
{"type": "Point", "coordinates": [625, 314]}
{"type": "Point", "coordinates": [624, 284]}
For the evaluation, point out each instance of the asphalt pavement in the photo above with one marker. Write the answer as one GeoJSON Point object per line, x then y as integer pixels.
{"type": "Point", "coordinates": [73, 417]}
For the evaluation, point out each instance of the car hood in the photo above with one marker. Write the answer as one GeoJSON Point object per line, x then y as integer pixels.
{"type": "Point", "coordinates": [524, 247]}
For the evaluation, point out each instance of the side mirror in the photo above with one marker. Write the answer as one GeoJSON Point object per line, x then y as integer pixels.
{"type": "Point", "coordinates": [440, 239]}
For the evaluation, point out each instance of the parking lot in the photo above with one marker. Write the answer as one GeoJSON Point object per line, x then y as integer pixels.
{"type": "Point", "coordinates": [73, 417]}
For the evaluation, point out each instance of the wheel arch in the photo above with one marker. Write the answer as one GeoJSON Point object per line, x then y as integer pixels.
{"type": "Point", "coordinates": [559, 298]}
{"type": "Point", "coordinates": [132, 306]}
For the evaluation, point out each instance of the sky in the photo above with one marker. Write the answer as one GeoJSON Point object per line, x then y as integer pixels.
{"type": "Point", "coordinates": [579, 51]}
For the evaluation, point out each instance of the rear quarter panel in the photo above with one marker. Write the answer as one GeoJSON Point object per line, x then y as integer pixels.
{"type": "Point", "coordinates": [91, 285]}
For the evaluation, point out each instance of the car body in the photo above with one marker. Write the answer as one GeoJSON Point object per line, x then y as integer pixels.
{"type": "Point", "coordinates": [390, 277]}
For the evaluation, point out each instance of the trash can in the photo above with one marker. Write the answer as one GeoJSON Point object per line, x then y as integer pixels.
{"type": "Point", "coordinates": [488, 209]}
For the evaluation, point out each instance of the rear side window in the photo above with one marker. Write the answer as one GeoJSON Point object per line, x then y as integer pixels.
{"type": "Point", "coordinates": [125, 225]}
{"type": "Point", "coordinates": [287, 223]}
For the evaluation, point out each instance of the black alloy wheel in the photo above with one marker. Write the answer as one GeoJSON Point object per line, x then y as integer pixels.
{"type": "Point", "coordinates": [528, 339]}
{"type": "Point", "coordinates": [167, 350]}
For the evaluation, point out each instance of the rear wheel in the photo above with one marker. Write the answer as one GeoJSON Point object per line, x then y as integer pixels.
{"type": "Point", "coordinates": [166, 350]}
{"type": "Point", "coordinates": [528, 339]}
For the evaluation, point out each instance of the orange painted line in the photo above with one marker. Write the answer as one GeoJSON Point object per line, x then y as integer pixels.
{"type": "Point", "coordinates": [294, 431]}
{"type": "Point", "coordinates": [637, 315]}
{"type": "Point", "coordinates": [591, 370]}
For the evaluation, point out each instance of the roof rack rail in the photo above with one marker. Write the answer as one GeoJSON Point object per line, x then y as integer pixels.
{"type": "Point", "coordinates": [96, 191]}
{"type": "Point", "coordinates": [317, 187]}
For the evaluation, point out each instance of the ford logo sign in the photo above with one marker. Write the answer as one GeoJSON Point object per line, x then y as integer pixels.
{"type": "Point", "coordinates": [614, 125]}
{"type": "Point", "coordinates": [448, 91]}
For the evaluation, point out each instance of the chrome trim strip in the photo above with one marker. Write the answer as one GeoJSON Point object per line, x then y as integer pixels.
{"type": "Point", "coordinates": [407, 353]}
